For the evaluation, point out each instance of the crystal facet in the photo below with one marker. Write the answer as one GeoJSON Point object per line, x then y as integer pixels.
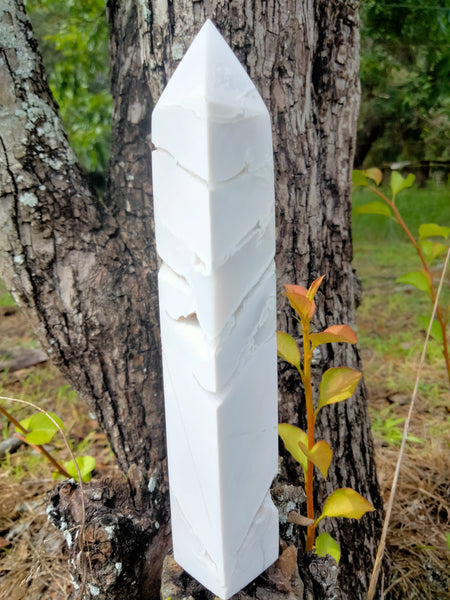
{"type": "Point", "coordinates": [215, 233]}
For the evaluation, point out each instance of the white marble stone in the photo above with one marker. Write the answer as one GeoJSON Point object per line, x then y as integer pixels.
{"type": "Point", "coordinates": [215, 233]}
{"type": "Point", "coordinates": [213, 361]}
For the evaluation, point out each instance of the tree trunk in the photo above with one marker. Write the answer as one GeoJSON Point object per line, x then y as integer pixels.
{"type": "Point", "coordinates": [85, 270]}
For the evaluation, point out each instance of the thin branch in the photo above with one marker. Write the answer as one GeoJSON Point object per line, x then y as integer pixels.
{"type": "Point", "coordinates": [40, 449]}
{"type": "Point", "coordinates": [81, 540]}
{"type": "Point", "coordinates": [47, 455]}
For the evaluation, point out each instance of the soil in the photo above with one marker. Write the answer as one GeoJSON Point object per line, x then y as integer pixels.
{"type": "Point", "coordinates": [33, 560]}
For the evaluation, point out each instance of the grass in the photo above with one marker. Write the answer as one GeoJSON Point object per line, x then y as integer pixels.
{"type": "Point", "coordinates": [391, 336]}
{"type": "Point", "coordinates": [390, 316]}
{"type": "Point", "coordinates": [430, 204]}
{"type": "Point", "coordinates": [390, 339]}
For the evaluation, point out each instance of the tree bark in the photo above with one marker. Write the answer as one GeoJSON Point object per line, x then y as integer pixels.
{"type": "Point", "coordinates": [85, 270]}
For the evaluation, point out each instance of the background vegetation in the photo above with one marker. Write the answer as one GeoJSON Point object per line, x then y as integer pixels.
{"type": "Point", "coordinates": [405, 68]}
{"type": "Point", "coordinates": [405, 78]}
{"type": "Point", "coordinates": [73, 38]}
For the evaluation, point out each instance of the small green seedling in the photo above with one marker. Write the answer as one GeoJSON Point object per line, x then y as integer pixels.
{"type": "Point", "coordinates": [387, 425]}
{"type": "Point", "coordinates": [337, 384]}
{"type": "Point", "coordinates": [428, 245]}
{"type": "Point", "coordinates": [40, 427]}
{"type": "Point", "coordinates": [86, 465]}
{"type": "Point", "coordinates": [38, 430]}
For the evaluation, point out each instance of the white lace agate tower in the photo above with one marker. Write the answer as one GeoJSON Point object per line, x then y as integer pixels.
{"type": "Point", "coordinates": [214, 219]}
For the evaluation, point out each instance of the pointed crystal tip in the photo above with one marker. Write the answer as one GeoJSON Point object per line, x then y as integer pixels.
{"type": "Point", "coordinates": [211, 78]}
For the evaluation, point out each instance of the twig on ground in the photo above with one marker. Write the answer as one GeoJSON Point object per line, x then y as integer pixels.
{"type": "Point", "coordinates": [81, 540]}
{"type": "Point", "coordinates": [10, 446]}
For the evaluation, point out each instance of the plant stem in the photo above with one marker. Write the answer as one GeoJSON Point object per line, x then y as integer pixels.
{"type": "Point", "coordinates": [12, 420]}
{"type": "Point", "coordinates": [41, 449]}
{"type": "Point", "coordinates": [416, 245]}
{"type": "Point", "coordinates": [307, 356]}
{"type": "Point", "coordinates": [47, 455]}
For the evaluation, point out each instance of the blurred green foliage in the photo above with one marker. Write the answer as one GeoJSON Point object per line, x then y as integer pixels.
{"type": "Point", "coordinates": [419, 205]}
{"type": "Point", "coordinates": [73, 39]}
{"type": "Point", "coordinates": [405, 77]}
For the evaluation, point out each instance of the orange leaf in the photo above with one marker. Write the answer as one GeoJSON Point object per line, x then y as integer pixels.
{"type": "Point", "coordinates": [335, 333]}
{"type": "Point", "coordinates": [296, 294]}
{"type": "Point", "coordinates": [313, 288]}
{"type": "Point", "coordinates": [374, 174]}
{"type": "Point", "coordinates": [337, 384]}
{"type": "Point", "coordinates": [291, 437]}
{"type": "Point", "coordinates": [347, 503]}
{"type": "Point", "coordinates": [320, 455]}
{"type": "Point", "coordinates": [287, 349]}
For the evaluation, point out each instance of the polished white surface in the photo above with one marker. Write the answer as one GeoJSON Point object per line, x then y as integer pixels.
{"type": "Point", "coordinates": [215, 233]}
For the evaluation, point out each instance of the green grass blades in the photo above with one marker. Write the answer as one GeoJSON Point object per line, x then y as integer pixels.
{"type": "Point", "coordinates": [427, 247]}
{"type": "Point", "coordinates": [388, 426]}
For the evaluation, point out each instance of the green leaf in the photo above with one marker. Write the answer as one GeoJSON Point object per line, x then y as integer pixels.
{"type": "Point", "coordinates": [418, 279]}
{"type": "Point", "coordinates": [427, 230]}
{"type": "Point", "coordinates": [447, 539]}
{"type": "Point", "coordinates": [291, 437]}
{"type": "Point", "coordinates": [398, 183]}
{"type": "Point", "coordinates": [432, 250]}
{"type": "Point", "coordinates": [338, 383]}
{"type": "Point", "coordinates": [325, 544]}
{"type": "Point", "coordinates": [37, 438]}
{"type": "Point", "coordinates": [358, 178]}
{"type": "Point", "coordinates": [287, 349]}
{"type": "Point", "coordinates": [374, 174]}
{"type": "Point", "coordinates": [41, 428]}
{"type": "Point", "coordinates": [320, 455]}
{"type": "Point", "coordinates": [347, 503]}
{"type": "Point", "coordinates": [40, 421]}
{"type": "Point", "coordinates": [373, 208]}
{"type": "Point", "coordinates": [436, 331]}
{"type": "Point", "coordinates": [86, 464]}
{"type": "Point", "coordinates": [335, 333]}
{"type": "Point", "coordinates": [25, 424]}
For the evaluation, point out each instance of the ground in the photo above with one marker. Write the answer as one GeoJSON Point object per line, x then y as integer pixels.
{"type": "Point", "coordinates": [32, 553]}
{"type": "Point", "coordinates": [33, 565]}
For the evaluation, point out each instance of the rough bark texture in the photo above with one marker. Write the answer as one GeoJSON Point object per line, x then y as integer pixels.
{"type": "Point", "coordinates": [85, 271]}
{"type": "Point", "coordinates": [107, 538]}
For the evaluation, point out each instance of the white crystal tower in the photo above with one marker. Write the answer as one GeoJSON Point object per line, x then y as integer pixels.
{"type": "Point", "coordinates": [214, 219]}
